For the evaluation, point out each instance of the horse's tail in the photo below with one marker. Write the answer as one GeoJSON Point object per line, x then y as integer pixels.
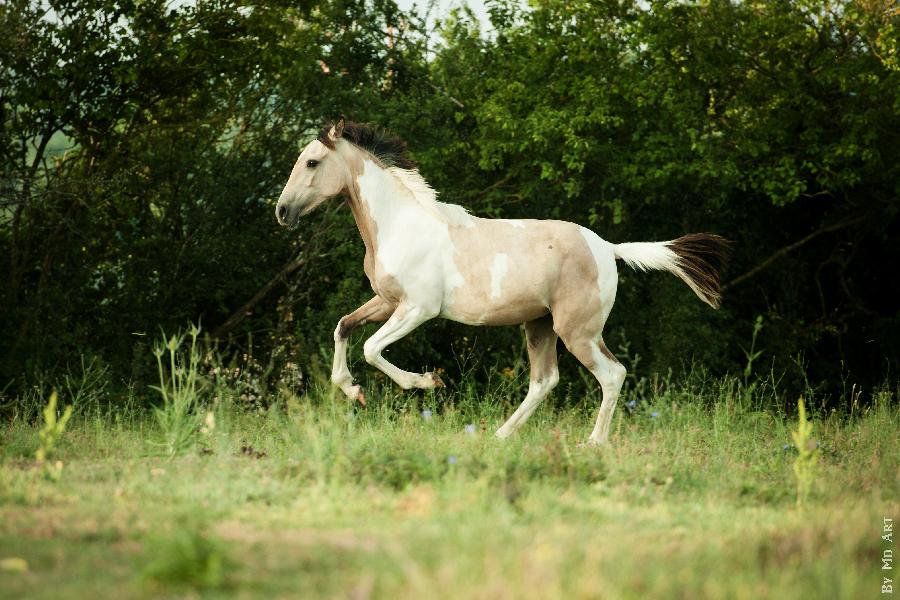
{"type": "Point", "coordinates": [698, 259]}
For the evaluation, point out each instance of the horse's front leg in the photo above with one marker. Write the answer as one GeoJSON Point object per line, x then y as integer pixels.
{"type": "Point", "coordinates": [374, 311]}
{"type": "Point", "coordinates": [402, 321]}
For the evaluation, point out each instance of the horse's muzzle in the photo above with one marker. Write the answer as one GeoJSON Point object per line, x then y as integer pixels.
{"type": "Point", "coordinates": [286, 215]}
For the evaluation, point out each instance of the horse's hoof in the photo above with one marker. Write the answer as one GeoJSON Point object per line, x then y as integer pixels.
{"type": "Point", "coordinates": [429, 381]}
{"type": "Point", "coordinates": [358, 394]}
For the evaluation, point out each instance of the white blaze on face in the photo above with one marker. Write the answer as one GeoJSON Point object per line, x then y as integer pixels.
{"type": "Point", "coordinates": [499, 269]}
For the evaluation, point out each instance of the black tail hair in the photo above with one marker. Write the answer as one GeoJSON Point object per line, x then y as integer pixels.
{"type": "Point", "coordinates": [702, 257]}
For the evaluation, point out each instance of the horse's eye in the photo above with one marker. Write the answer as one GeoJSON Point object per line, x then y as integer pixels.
{"type": "Point", "coordinates": [312, 164]}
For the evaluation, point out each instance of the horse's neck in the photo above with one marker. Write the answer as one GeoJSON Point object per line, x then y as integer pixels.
{"type": "Point", "coordinates": [376, 199]}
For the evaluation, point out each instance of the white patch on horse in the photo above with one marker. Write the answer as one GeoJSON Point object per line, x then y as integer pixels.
{"type": "Point", "coordinates": [607, 275]}
{"type": "Point", "coordinates": [513, 222]}
{"type": "Point", "coordinates": [400, 202]}
{"type": "Point", "coordinates": [499, 268]}
{"type": "Point", "coordinates": [595, 244]}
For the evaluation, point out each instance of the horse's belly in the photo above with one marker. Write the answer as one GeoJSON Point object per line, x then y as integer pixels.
{"type": "Point", "coordinates": [482, 307]}
{"type": "Point", "coordinates": [496, 315]}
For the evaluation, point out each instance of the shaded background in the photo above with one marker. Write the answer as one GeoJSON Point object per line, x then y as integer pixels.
{"type": "Point", "coordinates": [143, 144]}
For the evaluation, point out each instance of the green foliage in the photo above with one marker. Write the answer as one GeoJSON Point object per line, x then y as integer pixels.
{"type": "Point", "coordinates": [651, 119]}
{"type": "Point", "coordinates": [142, 146]}
{"type": "Point", "coordinates": [87, 386]}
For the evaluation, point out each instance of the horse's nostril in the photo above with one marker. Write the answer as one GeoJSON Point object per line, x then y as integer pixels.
{"type": "Point", "coordinates": [282, 212]}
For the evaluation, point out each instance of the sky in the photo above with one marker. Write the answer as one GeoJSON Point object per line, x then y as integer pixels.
{"type": "Point", "coordinates": [441, 8]}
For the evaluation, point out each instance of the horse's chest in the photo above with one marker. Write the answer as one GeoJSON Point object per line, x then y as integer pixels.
{"type": "Point", "coordinates": [383, 282]}
{"type": "Point", "coordinates": [406, 267]}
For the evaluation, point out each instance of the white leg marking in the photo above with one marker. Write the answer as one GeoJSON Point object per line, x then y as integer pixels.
{"type": "Point", "coordinates": [611, 375]}
{"type": "Point", "coordinates": [375, 309]}
{"type": "Point", "coordinates": [541, 341]}
{"type": "Point", "coordinates": [340, 373]}
{"type": "Point", "coordinates": [537, 391]}
{"type": "Point", "coordinates": [402, 322]}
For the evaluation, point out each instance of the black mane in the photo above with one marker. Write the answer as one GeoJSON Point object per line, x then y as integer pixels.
{"type": "Point", "coordinates": [387, 148]}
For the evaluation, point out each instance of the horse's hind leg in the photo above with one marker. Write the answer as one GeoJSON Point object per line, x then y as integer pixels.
{"type": "Point", "coordinates": [375, 310]}
{"type": "Point", "coordinates": [593, 354]}
{"type": "Point", "coordinates": [541, 340]}
{"type": "Point", "coordinates": [611, 375]}
{"type": "Point", "coordinates": [579, 318]}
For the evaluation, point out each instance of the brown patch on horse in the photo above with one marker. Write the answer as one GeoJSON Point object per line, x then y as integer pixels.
{"type": "Point", "coordinates": [533, 280]}
{"type": "Point", "coordinates": [602, 346]}
{"type": "Point", "coordinates": [383, 283]}
{"type": "Point", "coordinates": [703, 257]}
{"type": "Point", "coordinates": [368, 228]}
{"type": "Point", "coordinates": [375, 310]}
{"type": "Point", "coordinates": [541, 343]}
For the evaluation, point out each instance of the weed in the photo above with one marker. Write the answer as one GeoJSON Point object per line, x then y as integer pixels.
{"type": "Point", "coordinates": [179, 417]}
{"type": "Point", "coordinates": [751, 355]}
{"type": "Point", "coordinates": [807, 454]}
{"type": "Point", "coordinates": [53, 428]}
{"type": "Point", "coordinates": [86, 387]}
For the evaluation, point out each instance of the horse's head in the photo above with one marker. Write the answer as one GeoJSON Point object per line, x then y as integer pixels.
{"type": "Point", "coordinates": [319, 174]}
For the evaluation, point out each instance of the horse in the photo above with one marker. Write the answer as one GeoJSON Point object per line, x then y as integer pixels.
{"type": "Point", "coordinates": [426, 259]}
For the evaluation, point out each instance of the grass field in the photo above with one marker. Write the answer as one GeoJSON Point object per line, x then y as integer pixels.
{"type": "Point", "coordinates": [413, 497]}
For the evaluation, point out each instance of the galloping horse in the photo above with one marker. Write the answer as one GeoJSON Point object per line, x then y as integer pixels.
{"type": "Point", "coordinates": [427, 259]}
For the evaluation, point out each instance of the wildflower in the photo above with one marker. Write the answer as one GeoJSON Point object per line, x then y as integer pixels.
{"type": "Point", "coordinates": [14, 565]}
{"type": "Point", "coordinates": [426, 414]}
{"type": "Point", "coordinates": [631, 404]}
{"type": "Point", "coordinates": [470, 429]}
{"type": "Point", "coordinates": [209, 423]}
{"type": "Point", "coordinates": [654, 414]}
{"type": "Point", "coordinates": [451, 459]}
{"type": "Point", "coordinates": [508, 373]}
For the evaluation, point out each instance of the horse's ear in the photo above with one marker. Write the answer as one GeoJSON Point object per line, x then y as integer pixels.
{"type": "Point", "coordinates": [337, 130]}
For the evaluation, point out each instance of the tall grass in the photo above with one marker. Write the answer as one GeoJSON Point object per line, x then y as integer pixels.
{"type": "Point", "coordinates": [413, 497]}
